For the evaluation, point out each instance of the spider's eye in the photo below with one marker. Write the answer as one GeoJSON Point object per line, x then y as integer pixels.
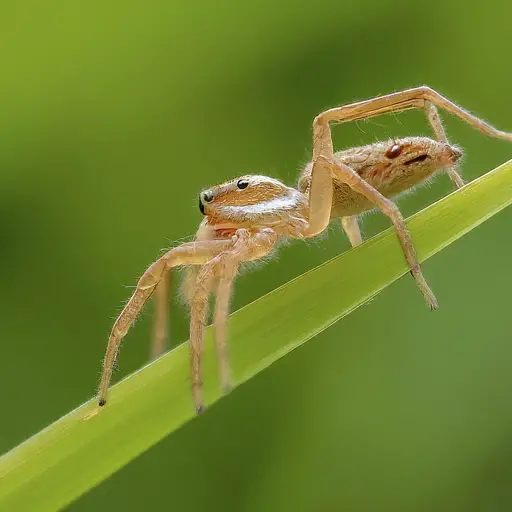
{"type": "Point", "coordinates": [394, 151]}
{"type": "Point", "coordinates": [242, 184]}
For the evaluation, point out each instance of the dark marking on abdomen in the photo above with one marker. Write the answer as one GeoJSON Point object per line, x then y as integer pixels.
{"type": "Point", "coordinates": [420, 158]}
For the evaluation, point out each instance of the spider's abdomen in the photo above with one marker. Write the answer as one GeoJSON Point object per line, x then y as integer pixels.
{"type": "Point", "coordinates": [392, 167]}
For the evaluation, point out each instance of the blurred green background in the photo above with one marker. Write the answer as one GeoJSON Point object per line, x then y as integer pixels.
{"type": "Point", "coordinates": [114, 115]}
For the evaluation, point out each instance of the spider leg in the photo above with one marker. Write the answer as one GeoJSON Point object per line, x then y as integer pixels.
{"type": "Point", "coordinates": [206, 278]}
{"type": "Point", "coordinates": [220, 317]}
{"type": "Point", "coordinates": [320, 203]}
{"type": "Point", "coordinates": [351, 228]}
{"type": "Point", "coordinates": [419, 97]}
{"type": "Point", "coordinates": [193, 253]}
{"type": "Point", "coordinates": [437, 126]}
{"type": "Point", "coordinates": [223, 267]}
{"type": "Point", "coordinates": [161, 323]}
{"type": "Point", "coordinates": [389, 208]}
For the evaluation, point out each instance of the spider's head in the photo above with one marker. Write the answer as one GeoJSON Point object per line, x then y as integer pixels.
{"type": "Point", "coordinates": [250, 200]}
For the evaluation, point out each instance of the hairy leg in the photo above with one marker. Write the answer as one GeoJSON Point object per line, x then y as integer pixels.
{"type": "Point", "coordinates": [437, 126]}
{"type": "Point", "coordinates": [209, 273]}
{"type": "Point", "coordinates": [320, 202]}
{"type": "Point", "coordinates": [389, 208]}
{"type": "Point", "coordinates": [248, 246]}
{"type": "Point", "coordinates": [419, 97]}
{"type": "Point", "coordinates": [220, 318]}
{"type": "Point", "coordinates": [193, 253]}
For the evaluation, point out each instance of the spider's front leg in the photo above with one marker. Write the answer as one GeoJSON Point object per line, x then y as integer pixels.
{"type": "Point", "coordinates": [222, 269]}
{"type": "Point", "coordinates": [220, 317]}
{"type": "Point", "coordinates": [193, 253]}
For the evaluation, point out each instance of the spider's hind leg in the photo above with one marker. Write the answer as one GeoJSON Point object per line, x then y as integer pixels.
{"type": "Point", "coordinates": [351, 227]}
{"type": "Point", "coordinates": [437, 126]}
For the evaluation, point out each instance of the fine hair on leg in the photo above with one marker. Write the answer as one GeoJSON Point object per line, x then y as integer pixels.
{"type": "Point", "coordinates": [192, 253]}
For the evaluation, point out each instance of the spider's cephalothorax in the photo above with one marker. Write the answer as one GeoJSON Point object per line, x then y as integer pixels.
{"type": "Point", "coordinates": [245, 217]}
{"type": "Point", "coordinates": [253, 202]}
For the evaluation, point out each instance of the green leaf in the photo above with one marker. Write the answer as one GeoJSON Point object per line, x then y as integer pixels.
{"type": "Point", "coordinates": [69, 457]}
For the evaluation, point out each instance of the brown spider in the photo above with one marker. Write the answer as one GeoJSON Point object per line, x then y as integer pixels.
{"type": "Point", "coordinates": [245, 217]}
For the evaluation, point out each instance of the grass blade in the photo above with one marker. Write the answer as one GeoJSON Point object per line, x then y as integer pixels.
{"type": "Point", "coordinates": [69, 457]}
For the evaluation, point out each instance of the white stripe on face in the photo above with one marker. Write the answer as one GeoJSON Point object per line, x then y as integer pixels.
{"type": "Point", "coordinates": [272, 206]}
{"type": "Point", "coordinates": [285, 202]}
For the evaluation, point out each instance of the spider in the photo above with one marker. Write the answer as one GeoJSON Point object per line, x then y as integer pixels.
{"type": "Point", "coordinates": [244, 218]}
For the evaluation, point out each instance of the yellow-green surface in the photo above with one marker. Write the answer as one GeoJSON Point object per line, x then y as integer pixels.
{"type": "Point", "coordinates": [62, 462]}
{"type": "Point", "coordinates": [114, 115]}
